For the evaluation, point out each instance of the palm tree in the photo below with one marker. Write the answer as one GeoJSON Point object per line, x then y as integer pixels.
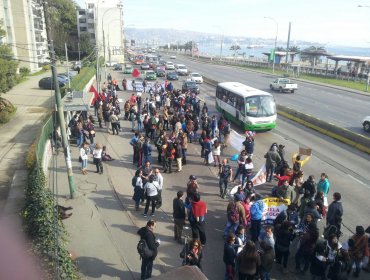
{"type": "Point", "coordinates": [313, 53]}
{"type": "Point", "coordinates": [294, 50]}
{"type": "Point", "coordinates": [235, 48]}
{"type": "Point", "coordinates": [280, 49]}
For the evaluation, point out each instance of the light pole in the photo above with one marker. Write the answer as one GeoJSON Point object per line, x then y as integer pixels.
{"type": "Point", "coordinates": [368, 72]}
{"type": "Point", "coordinates": [276, 34]}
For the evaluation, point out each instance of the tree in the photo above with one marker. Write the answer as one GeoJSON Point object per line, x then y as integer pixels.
{"type": "Point", "coordinates": [280, 49]}
{"type": "Point", "coordinates": [295, 50]}
{"type": "Point", "coordinates": [312, 54]}
{"type": "Point", "coordinates": [63, 21]}
{"type": "Point", "coordinates": [86, 47]}
{"type": "Point", "coordinates": [235, 48]}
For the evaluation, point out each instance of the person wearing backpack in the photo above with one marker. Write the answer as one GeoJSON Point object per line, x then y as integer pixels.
{"type": "Point", "coordinates": [235, 215]}
{"type": "Point", "coordinates": [147, 234]}
{"type": "Point", "coordinates": [226, 173]}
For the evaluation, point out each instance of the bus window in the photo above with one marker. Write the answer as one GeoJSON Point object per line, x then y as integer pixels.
{"type": "Point", "coordinates": [260, 106]}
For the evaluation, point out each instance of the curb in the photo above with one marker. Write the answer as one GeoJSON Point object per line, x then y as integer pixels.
{"type": "Point", "coordinates": [343, 135]}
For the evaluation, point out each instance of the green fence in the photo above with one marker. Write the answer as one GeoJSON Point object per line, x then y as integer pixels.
{"type": "Point", "coordinates": [44, 136]}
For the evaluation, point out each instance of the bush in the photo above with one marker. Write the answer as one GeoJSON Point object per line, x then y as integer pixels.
{"type": "Point", "coordinates": [24, 71]}
{"type": "Point", "coordinates": [31, 157]}
{"type": "Point", "coordinates": [43, 225]}
{"type": "Point", "coordinates": [6, 110]}
{"type": "Point", "coordinates": [46, 67]}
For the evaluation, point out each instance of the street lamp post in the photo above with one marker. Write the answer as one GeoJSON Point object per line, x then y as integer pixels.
{"type": "Point", "coordinates": [368, 72]}
{"type": "Point", "coordinates": [276, 34]}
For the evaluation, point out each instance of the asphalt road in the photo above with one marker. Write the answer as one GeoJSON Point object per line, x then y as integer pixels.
{"type": "Point", "coordinates": [347, 169]}
{"type": "Point", "coordinates": [342, 108]}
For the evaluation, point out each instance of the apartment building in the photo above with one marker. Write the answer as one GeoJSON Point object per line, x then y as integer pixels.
{"type": "Point", "coordinates": [24, 23]}
{"type": "Point", "coordinates": [103, 22]}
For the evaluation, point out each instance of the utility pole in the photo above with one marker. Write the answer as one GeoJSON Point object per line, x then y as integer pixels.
{"type": "Point", "coordinates": [79, 53]}
{"type": "Point", "coordinates": [69, 79]}
{"type": "Point", "coordinates": [287, 46]}
{"type": "Point", "coordinates": [59, 103]}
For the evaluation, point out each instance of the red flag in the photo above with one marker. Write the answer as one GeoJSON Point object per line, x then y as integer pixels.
{"type": "Point", "coordinates": [136, 73]}
{"type": "Point", "coordinates": [96, 94]}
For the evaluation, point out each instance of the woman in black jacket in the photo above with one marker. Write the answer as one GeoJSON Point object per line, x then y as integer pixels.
{"type": "Point", "coordinates": [284, 236]}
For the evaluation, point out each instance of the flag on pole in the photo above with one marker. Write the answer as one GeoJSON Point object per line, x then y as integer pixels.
{"type": "Point", "coordinates": [136, 73]}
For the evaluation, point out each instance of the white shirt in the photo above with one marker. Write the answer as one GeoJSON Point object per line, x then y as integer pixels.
{"type": "Point", "coordinates": [159, 181]}
{"type": "Point", "coordinates": [139, 182]}
{"type": "Point", "coordinates": [97, 153]}
{"type": "Point", "coordinates": [249, 165]}
{"type": "Point", "coordinates": [83, 154]}
{"type": "Point", "coordinates": [151, 189]}
{"type": "Point", "coordinates": [217, 151]}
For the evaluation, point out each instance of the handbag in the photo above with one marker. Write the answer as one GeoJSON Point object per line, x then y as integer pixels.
{"type": "Point", "coordinates": [79, 159]}
{"type": "Point", "coordinates": [210, 158]}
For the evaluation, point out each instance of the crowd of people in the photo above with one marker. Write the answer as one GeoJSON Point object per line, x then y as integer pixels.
{"type": "Point", "coordinates": [168, 121]}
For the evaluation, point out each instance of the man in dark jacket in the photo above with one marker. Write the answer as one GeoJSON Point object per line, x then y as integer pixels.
{"type": "Point", "coordinates": [335, 213]}
{"type": "Point", "coordinates": [178, 215]}
{"type": "Point", "coordinates": [272, 160]}
{"type": "Point", "coordinates": [147, 234]}
{"type": "Point", "coordinates": [309, 186]}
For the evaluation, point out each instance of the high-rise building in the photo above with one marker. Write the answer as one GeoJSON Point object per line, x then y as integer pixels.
{"type": "Point", "coordinates": [103, 21]}
{"type": "Point", "coordinates": [24, 24]}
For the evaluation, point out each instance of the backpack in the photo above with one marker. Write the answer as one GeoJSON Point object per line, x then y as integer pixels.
{"type": "Point", "coordinates": [233, 215]}
{"type": "Point", "coordinates": [296, 166]}
{"type": "Point", "coordinates": [133, 181]}
{"type": "Point", "coordinates": [143, 249]}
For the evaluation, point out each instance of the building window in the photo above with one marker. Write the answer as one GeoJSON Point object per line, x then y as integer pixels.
{"type": "Point", "coordinates": [91, 6]}
{"type": "Point", "coordinates": [82, 12]}
{"type": "Point", "coordinates": [90, 15]}
{"type": "Point", "coordinates": [90, 25]}
{"type": "Point", "coordinates": [82, 29]}
{"type": "Point", "coordinates": [82, 20]}
{"type": "Point", "coordinates": [92, 36]}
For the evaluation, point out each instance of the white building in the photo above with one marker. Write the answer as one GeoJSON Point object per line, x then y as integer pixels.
{"type": "Point", "coordinates": [24, 23]}
{"type": "Point", "coordinates": [103, 21]}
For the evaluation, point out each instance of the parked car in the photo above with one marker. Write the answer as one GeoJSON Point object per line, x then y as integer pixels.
{"type": "Point", "coordinates": [64, 77]}
{"type": "Point", "coordinates": [196, 77]}
{"type": "Point", "coordinates": [169, 65]}
{"type": "Point", "coordinates": [172, 76]}
{"type": "Point", "coordinates": [160, 72]}
{"type": "Point", "coordinates": [173, 56]}
{"type": "Point", "coordinates": [366, 123]}
{"type": "Point", "coordinates": [111, 63]}
{"type": "Point", "coordinates": [128, 69]}
{"type": "Point", "coordinates": [182, 70]}
{"type": "Point", "coordinates": [47, 83]}
{"type": "Point", "coordinates": [283, 84]}
{"type": "Point", "coordinates": [190, 85]}
{"type": "Point", "coordinates": [150, 75]}
{"type": "Point", "coordinates": [118, 67]}
{"type": "Point", "coordinates": [144, 66]}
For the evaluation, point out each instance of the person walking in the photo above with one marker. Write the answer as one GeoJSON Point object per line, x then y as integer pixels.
{"type": "Point", "coordinates": [84, 155]}
{"type": "Point", "coordinates": [356, 252]}
{"type": "Point", "coordinates": [151, 195]}
{"type": "Point", "coordinates": [97, 158]}
{"type": "Point", "coordinates": [178, 213]}
{"type": "Point", "coordinates": [226, 173]}
{"type": "Point", "coordinates": [147, 233]}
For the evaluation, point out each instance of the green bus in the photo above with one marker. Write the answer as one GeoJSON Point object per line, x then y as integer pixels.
{"type": "Point", "coordinates": [250, 108]}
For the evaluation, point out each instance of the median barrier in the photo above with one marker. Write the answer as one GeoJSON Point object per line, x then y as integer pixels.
{"type": "Point", "coordinates": [346, 136]}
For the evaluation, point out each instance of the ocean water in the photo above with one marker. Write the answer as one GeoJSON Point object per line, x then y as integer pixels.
{"type": "Point", "coordinates": [214, 49]}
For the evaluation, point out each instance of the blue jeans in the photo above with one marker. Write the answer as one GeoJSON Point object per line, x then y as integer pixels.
{"type": "Point", "coordinates": [265, 275]}
{"type": "Point", "coordinates": [139, 126]}
{"type": "Point", "coordinates": [80, 140]}
{"type": "Point", "coordinates": [230, 227]}
{"type": "Point", "coordinates": [84, 163]}
{"type": "Point", "coordinates": [146, 268]}
{"type": "Point", "coordinates": [270, 170]}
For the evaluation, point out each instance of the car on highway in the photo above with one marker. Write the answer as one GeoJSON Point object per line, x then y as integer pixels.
{"type": "Point", "coordinates": [128, 69]}
{"type": "Point", "coordinates": [172, 75]}
{"type": "Point", "coordinates": [47, 83]}
{"type": "Point", "coordinates": [162, 62]}
{"type": "Point", "coordinates": [169, 65]}
{"type": "Point", "coordinates": [196, 77]}
{"type": "Point", "coordinates": [150, 75]}
{"type": "Point", "coordinates": [190, 85]}
{"type": "Point", "coordinates": [111, 63]}
{"type": "Point", "coordinates": [366, 123]}
{"type": "Point", "coordinates": [118, 67]}
{"type": "Point", "coordinates": [173, 56]}
{"type": "Point", "coordinates": [144, 66]}
{"type": "Point", "coordinates": [181, 70]}
{"type": "Point", "coordinates": [160, 72]}
{"type": "Point", "coordinates": [282, 85]}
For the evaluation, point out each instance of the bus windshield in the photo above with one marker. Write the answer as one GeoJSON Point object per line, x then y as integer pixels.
{"type": "Point", "coordinates": [260, 106]}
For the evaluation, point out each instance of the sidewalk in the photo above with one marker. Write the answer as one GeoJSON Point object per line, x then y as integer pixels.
{"type": "Point", "coordinates": [33, 104]}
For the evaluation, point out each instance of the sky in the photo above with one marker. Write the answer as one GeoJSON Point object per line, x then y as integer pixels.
{"type": "Point", "coordinates": [328, 22]}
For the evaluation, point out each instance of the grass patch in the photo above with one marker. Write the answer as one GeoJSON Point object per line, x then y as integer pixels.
{"type": "Point", "coordinates": [42, 71]}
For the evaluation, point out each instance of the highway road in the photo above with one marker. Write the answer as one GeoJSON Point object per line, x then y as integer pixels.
{"type": "Point", "coordinates": [347, 169]}
{"type": "Point", "coordinates": [342, 108]}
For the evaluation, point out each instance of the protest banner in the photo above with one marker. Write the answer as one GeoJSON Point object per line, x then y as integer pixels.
{"type": "Point", "coordinates": [273, 207]}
